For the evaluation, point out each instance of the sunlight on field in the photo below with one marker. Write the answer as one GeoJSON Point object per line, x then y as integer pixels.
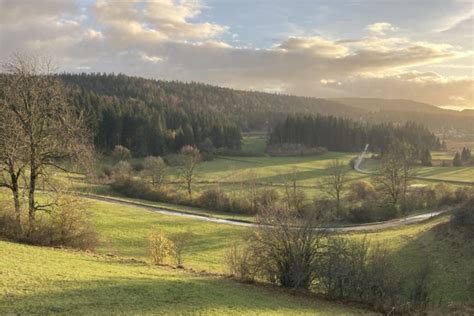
{"type": "Point", "coordinates": [45, 281]}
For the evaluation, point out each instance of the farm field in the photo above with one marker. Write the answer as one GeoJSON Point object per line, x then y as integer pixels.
{"type": "Point", "coordinates": [465, 173]}
{"type": "Point", "coordinates": [44, 281]}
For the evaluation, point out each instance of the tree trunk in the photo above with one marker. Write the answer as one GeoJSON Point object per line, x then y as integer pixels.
{"type": "Point", "coordinates": [16, 196]}
{"type": "Point", "coordinates": [189, 188]}
{"type": "Point", "coordinates": [31, 197]}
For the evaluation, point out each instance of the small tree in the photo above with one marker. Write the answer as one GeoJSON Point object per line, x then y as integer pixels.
{"type": "Point", "coordinates": [189, 158]}
{"type": "Point", "coordinates": [121, 153]}
{"type": "Point", "coordinates": [457, 162]}
{"type": "Point", "coordinates": [396, 169]}
{"type": "Point", "coordinates": [179, 242]}
{"type": "Point", "coordinates": [155, 168]}
{"type": "Point", "coordinates": [334, 184]}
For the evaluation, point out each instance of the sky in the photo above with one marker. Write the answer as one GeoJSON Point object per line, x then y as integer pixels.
{"type": "Point", "coordinates": [404, 49]}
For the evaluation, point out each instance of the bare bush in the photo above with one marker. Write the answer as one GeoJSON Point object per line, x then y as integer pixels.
{"type": "Point", "coordinates": [160, 247]}
{"type": "Point", "coordinates": [288, 248]}
{"type": "Point", "coordinates": [121, 153]}
{"type": "Point", "coordinates": [241, 262]}
{"type": "Point", "coordinates": [214, 199]}
{"type": "Point", "coordinates": [67, 224]}
{"type": "Point", "coordinates": [179, 242]}
{"type": "Point", "coordinates": [121, 169]}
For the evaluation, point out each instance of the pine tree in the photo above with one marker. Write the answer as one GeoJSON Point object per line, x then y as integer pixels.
{"type": "Point", "coordinates": [465, 155]}
{"type": "Point", "coordinates": [426, 159]}
{"type": "Point", "coordinates": [457, 162]}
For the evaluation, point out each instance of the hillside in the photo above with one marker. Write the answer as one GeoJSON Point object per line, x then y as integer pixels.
{"type": "Point", "coordinates": [373, 104]}
{"type": "Point", "coordinates": [46, 281]}
{"type": "Point", "coordinates": [156, 116]}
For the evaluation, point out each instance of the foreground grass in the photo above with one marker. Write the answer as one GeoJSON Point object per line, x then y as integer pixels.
{"type": "Point", "coordinates": [125, 230]}
{"type": "Point", "coordinates": [44, 281]}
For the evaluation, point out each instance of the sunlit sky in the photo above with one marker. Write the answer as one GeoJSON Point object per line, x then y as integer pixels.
{"type": "Point", "coordinates": [419, 49]}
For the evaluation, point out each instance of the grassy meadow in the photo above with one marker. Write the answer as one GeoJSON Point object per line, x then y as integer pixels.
{"type": "Point", "coordinates": [118, 278]}
{"type": "Point", "coordinates": [124, 231]}
{"type": "Point", "coordinates": [47, 281]}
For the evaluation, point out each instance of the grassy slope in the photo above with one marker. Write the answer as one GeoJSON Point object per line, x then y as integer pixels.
{"type": "Point", "coordinates": [44, 281]}
{"type": "Point", "coordinates": [449, 252]}
{"type": "Point", "coordinates": [124, 231]}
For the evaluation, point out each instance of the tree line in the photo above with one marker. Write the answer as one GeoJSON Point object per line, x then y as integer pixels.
{"type": "Point", "coordinates": [342, 134]}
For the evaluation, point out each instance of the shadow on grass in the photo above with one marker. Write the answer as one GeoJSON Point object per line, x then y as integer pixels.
{"type": "Point", "coordinates": [449, 253]}
{"type": "Point", "coordinates": [162, 296]}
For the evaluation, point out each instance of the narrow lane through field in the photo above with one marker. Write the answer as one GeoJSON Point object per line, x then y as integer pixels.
{"type": "Point", "coordinates": [362, 227]}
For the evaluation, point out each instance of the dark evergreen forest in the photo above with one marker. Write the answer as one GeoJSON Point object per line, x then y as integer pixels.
{"type": "Point", "coordinates": [156, 117]}
{"type": "Point", "coordinates": [153, 117]}
{"type": "Point", "coordinates": [340, 134]}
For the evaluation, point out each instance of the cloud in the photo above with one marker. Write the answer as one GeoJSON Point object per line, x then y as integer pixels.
{"type": "Point", "coordinates": [381, 28]}
{"type": "Point", "coordinates": [163, 39]}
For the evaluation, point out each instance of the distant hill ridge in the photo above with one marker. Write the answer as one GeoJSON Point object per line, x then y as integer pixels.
{"type": "Point", "coordinates": [376, 104]}
{"type": "Point", "coordinates": [178, 102]}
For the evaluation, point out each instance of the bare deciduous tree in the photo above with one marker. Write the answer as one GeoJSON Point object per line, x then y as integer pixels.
{"type": "Point", "coordinates": [333, 185]}
{"type": "Point", "coordinates": [155, 168]}
{"type": "Point", "coordinates": [44, 129]}
{"type": "Point", "coordinates": [395, 171]}
{"type": "Point", "coordinates": [12, 157]}
{"type": "Point", "coordinates": [189, 157]}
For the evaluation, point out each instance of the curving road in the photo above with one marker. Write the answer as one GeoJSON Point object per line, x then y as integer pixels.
{"type": "Point", "coordinates": [363, 227]}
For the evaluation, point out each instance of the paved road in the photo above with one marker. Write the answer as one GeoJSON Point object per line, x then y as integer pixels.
{"type": "Point", "coordinates": [364, 227]}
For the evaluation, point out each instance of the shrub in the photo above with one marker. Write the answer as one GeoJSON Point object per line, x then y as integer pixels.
{"type": "Point", "coordinates": [122, 169]}
{"type": "Point", "coordinates": [107, 171]}
{"type": "Point", "coordinates": [160, 247]}
{"type": "Point", "coordinates": [179, 241]}
{"type": "Point", "coordinates": [214, 199]}
{"type": "Point", "coordinates": [240, 262]}
{"type": "Point", "coordinates": [361, 190]}
{"type": "Point", "coordinates": [121, 153]}
{"type": "Point", "coordinates": [266, 198]}
{"type": "Point", "coordinates": [355, 270]}
{"type": "Point", "coordinates": [67, 224]}
{"type": "Point", "coordinates": [287, 248]}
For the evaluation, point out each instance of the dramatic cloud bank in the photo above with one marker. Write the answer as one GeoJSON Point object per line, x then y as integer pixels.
{"type": "Point", "coordinates": [169, 39]}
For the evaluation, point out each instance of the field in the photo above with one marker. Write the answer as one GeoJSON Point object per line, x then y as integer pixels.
{"type": "Point", "coordinates": [119, 274]}
{"type": "Point", "coordinates": [118, 279]}
{"type": "Point", "coordinates": [124, 232]}
{"type": "Point", "coordinates": [465, 173]}
{"type": "Point", "coordinates": [45, 281]}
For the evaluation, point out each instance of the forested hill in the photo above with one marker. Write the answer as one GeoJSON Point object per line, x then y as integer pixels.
{"type": "Point", "coordinates": [374, 104]}
{"type": "Point", "coordinates": [153, 117]}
